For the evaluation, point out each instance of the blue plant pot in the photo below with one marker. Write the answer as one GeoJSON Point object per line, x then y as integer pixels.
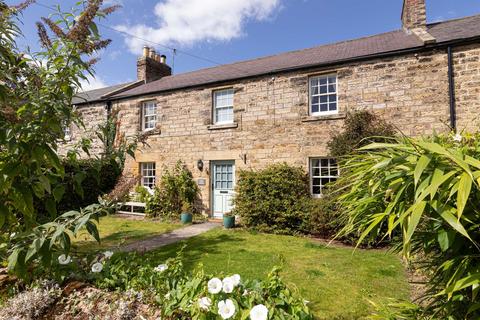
{"type": "Point", "coordinates": [186, 218]}
{"type": "Point", "coordinates": [229, 222]}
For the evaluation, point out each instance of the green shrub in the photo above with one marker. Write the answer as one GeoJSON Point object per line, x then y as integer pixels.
{"type": "Point", "coordinates": [324, 219]}
{"type": "Point", "coordinates": [275, 199]}
{"type": "Point", "coordinates": [177, 189]}
{"type": "Point", "coordinates": [84, 181]}
{"type": "Point", "coordinates": [141, 194]}
{"type": "Point", "coordinates": [426, 190]}
{"type": "Point", "coordinates": [360, 128]}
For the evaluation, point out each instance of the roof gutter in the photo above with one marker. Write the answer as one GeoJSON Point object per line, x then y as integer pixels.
{"type": "Point", "coordinates": [427, 47]}
{"type": "Point", "coordinates": [451, 90]}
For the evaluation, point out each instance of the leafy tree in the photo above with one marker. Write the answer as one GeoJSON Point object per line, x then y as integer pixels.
{"type": "Point", "coordinates": [36, 91]}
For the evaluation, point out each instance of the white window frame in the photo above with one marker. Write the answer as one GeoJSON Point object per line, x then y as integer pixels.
{"type": "Point", "coordinates": [319, 95]}
{"type": "Point", "coordinates": [216, 108]}
{"type": "Point", "coordinates": [153, 116]}
{"type": "Point", "coordinates": [320, 176]}
{"type": "Point", "coordinates": [147, 172]}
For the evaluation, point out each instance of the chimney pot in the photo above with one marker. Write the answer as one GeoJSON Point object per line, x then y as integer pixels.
{"type": "Point", "coordinates": [163, 59]}
{"type": "Point", "coordinates": [152, 53]}
{"type": "Point", "coordinates": [414, 14]}
{"type": "Point", "coordinates": [157, 57]}
{"type": "Point", "coordinates": [145, 51]}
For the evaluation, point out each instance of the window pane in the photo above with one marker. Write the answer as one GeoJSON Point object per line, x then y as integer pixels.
{"type": "Point", "coordinates": [323, 89]}
{"type": "Point", "coordinates": [333, 107]}
{"type": "Point", "coordinates": [316, 190]}
{"type": "Point", "coordinates": [323, 107]}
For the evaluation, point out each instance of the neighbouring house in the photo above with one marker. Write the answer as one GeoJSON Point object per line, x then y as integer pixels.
{"type": "Point", "coordinates": [283, 108]}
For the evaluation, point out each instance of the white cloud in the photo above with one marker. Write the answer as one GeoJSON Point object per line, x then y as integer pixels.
{"type": "Point", "coordinates": [92, 83]}
{"type": "Point", "coordinates": [186, 22]}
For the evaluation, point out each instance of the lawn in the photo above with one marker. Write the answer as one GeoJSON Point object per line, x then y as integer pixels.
{"type": "Point", "coordinates": [116, 231]}
{"type": "Point", "coordinates": [338, 281]}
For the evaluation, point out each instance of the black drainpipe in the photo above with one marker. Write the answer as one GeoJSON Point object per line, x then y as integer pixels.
{"type": "Point", "coordinates": [451, 90]}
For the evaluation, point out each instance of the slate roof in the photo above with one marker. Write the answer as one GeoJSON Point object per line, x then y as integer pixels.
{"type": "Point", "coordinates": [385, 43]}
{"type": "Point", "coordinates": [98, 94]}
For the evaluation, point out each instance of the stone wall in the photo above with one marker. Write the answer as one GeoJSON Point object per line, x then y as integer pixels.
{"type": "Point", "coordinates": [467, 87]}
{"type": "Point", "coordinates": [92, 115]}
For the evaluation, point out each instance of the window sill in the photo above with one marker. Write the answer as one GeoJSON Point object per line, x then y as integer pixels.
{"type": "Point", "coordinates": [151, 132]}
{"type": "Point", "coordinates": [222, 126]}
{"type": "Point", "coordinates": [326, 117]}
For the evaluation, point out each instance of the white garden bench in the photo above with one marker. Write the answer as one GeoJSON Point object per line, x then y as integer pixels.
{"type": "Point", "coordinates": [132, 205]}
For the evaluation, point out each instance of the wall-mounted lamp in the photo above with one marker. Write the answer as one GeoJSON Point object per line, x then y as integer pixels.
{"type": "Point", "coordinates": [200, 165]}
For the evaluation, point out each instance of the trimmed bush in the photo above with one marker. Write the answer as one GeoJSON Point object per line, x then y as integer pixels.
{"type": "Point", "coordinates": [275, 199]}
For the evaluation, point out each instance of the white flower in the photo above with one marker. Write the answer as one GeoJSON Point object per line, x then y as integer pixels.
{"type": "Point", "coordinates": [108, 254]}
{"type": "Point", "coordinates": [63, 259]}
{"type": "Point", "coordinates": [305, 302]}
{"type": "Point", "coordinates": [236, 279]}
{"type": "Point", "coordinates": [161, 268]}
{"type": "Point", "coordinates": [97, 267]}
{"type": "Point", "coordinates": [245, 292]}
{"type": "Point", "coordinates": [259, 312]}
{"type": "Point", "coordinates": [228, 285]}
{"type": "Point", "coordinates": [226, 309]}
{"type": "Point", "coordinates": [205, 303]}
{"type": "Point", "coordinates": [214, 285]}
{"type": "Point", "coordinates": [167, 296]}
{"type": "Point", "coordinates": [12, 235]}
{"type": "Point", "coordinates": [458, 138]}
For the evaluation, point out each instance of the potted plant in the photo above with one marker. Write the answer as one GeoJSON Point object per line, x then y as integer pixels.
{"type": "Point", "coordinates": [229, 220]}
{"type": "Point", "coordinates": [186, 217]}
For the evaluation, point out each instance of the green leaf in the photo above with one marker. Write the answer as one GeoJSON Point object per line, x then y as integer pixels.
{"type": "Point", "coordinates": [45, 183]}
{"type": "Point", "coordinates": [92, 230]}
{"type": "Point", "coordinates": [420, 167]}
{"type": "Point", "coordinates": [58, 192]}
{"type": "Point", "coordinates": [445, 239]}
{"type": "Point", "coordinates": [463, 193]}
{"type": "Point", "coordinates": [452, 221]}
{"type": "Point", "coordinates": [414, 219]}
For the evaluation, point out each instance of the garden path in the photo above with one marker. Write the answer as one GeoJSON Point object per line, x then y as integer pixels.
{"type": "Point", "coordinates": [169, 238]}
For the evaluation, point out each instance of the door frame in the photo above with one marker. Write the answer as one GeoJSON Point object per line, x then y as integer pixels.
{"type": "Point", "coordinates": [212, 181]}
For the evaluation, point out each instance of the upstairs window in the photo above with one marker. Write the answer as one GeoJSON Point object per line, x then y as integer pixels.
{"type": "Point", "coordinates": [223, 106]}
{"type": "Point", "coordinates": [147, 171]}
{"type": "Point", "coordinates": [149, 115]}
{"type": "Point", "coordinates": [323, 95]}
{"type": "Point", "coordinates": [322, 172]}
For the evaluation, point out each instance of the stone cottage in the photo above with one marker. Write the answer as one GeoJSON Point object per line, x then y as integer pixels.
{"type": "Point", "coordinates": [249, 114]}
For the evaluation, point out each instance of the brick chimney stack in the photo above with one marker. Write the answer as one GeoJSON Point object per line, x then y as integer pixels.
{"type": "Point", "coordinates": [414, 14]}
{"type": "Point", "coordinates": [151, 66]}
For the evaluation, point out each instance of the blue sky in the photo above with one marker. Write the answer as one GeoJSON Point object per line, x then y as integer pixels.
{"type": "Point", "coordinates": [228, 31]}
